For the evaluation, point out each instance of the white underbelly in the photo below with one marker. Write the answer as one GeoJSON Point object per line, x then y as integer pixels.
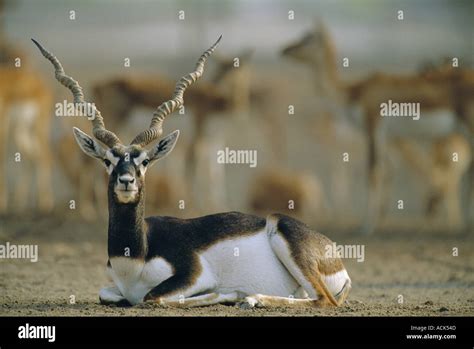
{"type": "Point", "coordinates": [249, 265]}
{"type": "Point", "coordinates": [246, 265]}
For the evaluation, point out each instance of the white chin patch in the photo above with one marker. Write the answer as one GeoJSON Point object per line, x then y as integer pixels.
{"type": "Point", "coordinates": [125, 197]}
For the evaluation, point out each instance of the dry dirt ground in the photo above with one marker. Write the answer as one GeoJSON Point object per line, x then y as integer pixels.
{"type": "Point", "coordinates": [415, 268]}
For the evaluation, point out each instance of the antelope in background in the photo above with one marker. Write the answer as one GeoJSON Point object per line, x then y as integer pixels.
{"type": "Point", "coordinates": [447, 113]}
{"type": "Point", "coordinates": [25, 119]}
{"type": "Point", "coordinates": [192, 262]}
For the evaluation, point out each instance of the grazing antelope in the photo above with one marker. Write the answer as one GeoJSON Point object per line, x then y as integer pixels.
{"type": "Point", "coordinates": [220, 258]}
{"type": "Point", "coordinates": [445, 99]}
{"type": "Point", "coordinates": [25, 119]}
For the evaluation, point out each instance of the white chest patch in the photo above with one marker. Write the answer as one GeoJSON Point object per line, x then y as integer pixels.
{"type": "Point", "coordinates": [249, 265]}
{"type": "Point", "coordinates": [135, 278]}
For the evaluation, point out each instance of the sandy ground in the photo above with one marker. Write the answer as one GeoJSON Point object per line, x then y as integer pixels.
{"type": "Point", "coordinates": [72, 257]}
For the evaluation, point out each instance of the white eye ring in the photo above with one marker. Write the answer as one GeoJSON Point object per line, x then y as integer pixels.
{"type": "Point", "coordinates": [109, 166]}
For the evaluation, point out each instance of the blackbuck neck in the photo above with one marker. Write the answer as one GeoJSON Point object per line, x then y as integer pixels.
{"type": "Point", "coordinates": [127, 227]}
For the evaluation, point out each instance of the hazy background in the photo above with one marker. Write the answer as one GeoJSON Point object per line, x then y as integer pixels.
{"type": "Point", "coordinates": [149, 31]}
{"type": "Point", "coordinates": [93, 47]}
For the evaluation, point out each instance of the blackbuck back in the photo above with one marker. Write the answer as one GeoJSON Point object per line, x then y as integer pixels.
{"type": "Point", "coordinates": [220, 258]}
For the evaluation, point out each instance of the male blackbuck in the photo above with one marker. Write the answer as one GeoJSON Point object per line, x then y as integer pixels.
{"type": "Point", "coordinates": [225, 257]}
{"type": "Point", "coordinates": [446, 102]}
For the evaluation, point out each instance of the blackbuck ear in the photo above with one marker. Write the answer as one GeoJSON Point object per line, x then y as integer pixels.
{"type": "Point", "coordinates": [88, 144]}
{"type": "Point", "coordinates": [164, 147]}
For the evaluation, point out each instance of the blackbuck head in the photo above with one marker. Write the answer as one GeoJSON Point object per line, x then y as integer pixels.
{"type": "Point", "coordinates": [127, 164]}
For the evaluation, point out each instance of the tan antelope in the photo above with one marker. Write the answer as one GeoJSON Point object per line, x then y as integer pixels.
{"type": "Point", "coordinates": [220, 258]}
{"type": "Point", "coordinates": [25, 119]}
{"type": "Point", "coordinates": [446, 108]}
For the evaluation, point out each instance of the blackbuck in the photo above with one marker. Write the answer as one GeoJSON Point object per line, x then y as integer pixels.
{"type": "Point", "coordinates": [225, 257]}
{"type": "Point", "coordinates": [446, 116]}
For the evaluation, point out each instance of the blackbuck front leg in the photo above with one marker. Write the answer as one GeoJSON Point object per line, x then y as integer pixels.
{"type": "Point", "coordinates": [189, 287]}
{"type": "Point", "coordinates": [112, 295]}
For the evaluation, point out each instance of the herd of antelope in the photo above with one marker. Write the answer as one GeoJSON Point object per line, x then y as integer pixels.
{"type": "Point", "coordinates": [437, 149]}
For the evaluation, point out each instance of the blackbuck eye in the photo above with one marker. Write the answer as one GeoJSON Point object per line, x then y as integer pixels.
{"type": "Point", "coordinates": [107, 162]}
{"type": "Point", "coordinates": [145, 162]}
